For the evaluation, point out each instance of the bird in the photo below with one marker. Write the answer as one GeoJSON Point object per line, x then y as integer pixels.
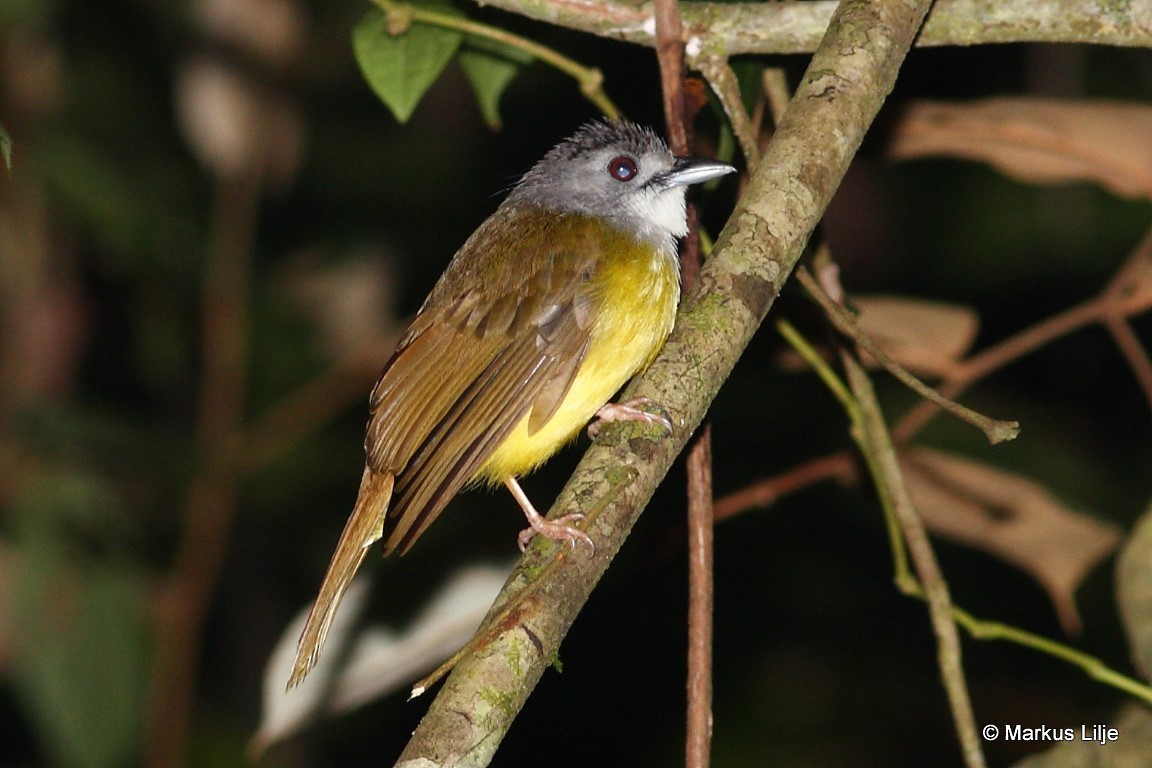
{"type": "Point", "coordinates": [560, 297]}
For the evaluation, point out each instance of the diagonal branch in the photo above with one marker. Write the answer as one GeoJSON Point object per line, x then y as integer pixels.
{"type": "Point", "coordinates": [875, 442]}
{"type": "Point", "coordinates": [850, 75]}
{"type": "Point", "coordinates": [732, 28]}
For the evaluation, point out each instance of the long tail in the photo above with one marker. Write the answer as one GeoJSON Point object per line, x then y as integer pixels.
{"type": "Point", "coordinates": [364, 528]}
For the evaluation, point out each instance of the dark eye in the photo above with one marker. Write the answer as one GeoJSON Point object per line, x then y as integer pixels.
{"type": "Point", "coordinates": [622, 168]}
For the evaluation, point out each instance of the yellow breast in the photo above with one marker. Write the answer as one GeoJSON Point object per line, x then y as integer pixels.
{"type": "Point", "coordinates": [638, 290]}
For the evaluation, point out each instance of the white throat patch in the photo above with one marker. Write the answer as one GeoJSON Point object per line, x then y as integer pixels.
{"type": "Point", "coordinates": [661, 214]}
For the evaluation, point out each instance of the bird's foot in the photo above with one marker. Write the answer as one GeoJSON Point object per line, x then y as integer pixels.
{"type": "Point", "coordinates": [557, 530]}
{"type": "Point", "coordinates": [629, 410]}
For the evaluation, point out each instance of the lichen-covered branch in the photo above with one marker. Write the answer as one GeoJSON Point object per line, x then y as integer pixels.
{"type": "Point", "coordinates": [847, 81]}
{"type": "Point", "coordinates": [731, 28]}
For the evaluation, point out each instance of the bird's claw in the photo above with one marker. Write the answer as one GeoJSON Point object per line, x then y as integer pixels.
{"type": "Point", "coordinates": [557, 530]}
{"type": "Point", "coordinates": [629, 410]}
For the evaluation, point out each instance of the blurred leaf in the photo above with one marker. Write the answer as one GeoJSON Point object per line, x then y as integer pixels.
{"type": "Point", "coordinates": [750, 75]}
{"type": "Point", "coordinates": [351, 302]}
{"type": "Point", "coordinates": [81, 632]}
{"type": "Point", "coordinates": [1138, 286]}
{"type": "Point", "coordinates": [926, 337]}
{"type": "Point", "coordinates": [362, 664]}
{"type": "Point", "coordinates": [1134, 593]}
{"type": "Point", "coordinates": [403, 67]}
{"type": "Point", "coordinates": [99, 192]}
{"type": "Point", "coordinates": [6, 148]}
{"type": "Point", "coordinates": [1041, 141]}
{"type": "Point", "coordinates": [1012, 517]}
{"type": "Point", "coordinates": [273, 32]}
{"type": "Point", "coordinates": [234, 123]}
{"type": "Point", "coordinates": [490, 67]}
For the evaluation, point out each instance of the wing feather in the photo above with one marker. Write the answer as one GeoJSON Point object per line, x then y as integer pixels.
{"type": "Point", "coordinates": [471, 368]}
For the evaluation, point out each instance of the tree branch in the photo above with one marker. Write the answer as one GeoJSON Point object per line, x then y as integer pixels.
{"type": "Point", "coordinates": [871, 433]}
{"type": "Point", "coordinates": [729, 29]}
{"type": "Point", "coordinates": [849, 77]}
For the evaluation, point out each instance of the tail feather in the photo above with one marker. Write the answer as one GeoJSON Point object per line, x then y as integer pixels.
{"type": "Point", "coordinates": [364, 527]}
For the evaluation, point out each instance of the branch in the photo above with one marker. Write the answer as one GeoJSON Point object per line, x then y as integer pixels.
{"type": "Point", "coordinates": [729, 29]}
{"type": "Point", "coordinates": [678, 115]}
{"type": "Point", "coordinates": [211, 502]}
{"type": "Point", "coordinates": [1121, 298]}
{"type": "Point", "coordinates": [590, 79]}
{"type": "Point", "coordinates": [1124, 297]}
{"type": "Point", "coordinates": [875, 443]}
{"type": "Point", "coordinates": [849, 77]}
{"type": "Point", "coordinates": [995, 430]}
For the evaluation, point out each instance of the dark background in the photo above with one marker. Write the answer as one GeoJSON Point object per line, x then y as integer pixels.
{"type": "Point", "coordinates": [819, 661]}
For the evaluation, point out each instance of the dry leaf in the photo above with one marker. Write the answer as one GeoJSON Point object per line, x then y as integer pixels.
{"type": "Point", "coordinates": [351, 302]}
{"type": "Point", "coordinates": [379, 660]}
{"type": "Point", "coordinates": [1136, 290]}
{"type": "Point", "coordinates": [1012, 517]}
{"type": "Point", "coordinates": [928, 338]}
{"type": "Point", "coordinates": [1040, 141]}
{"type": "Point", "coordinates": [272, 31]}
{"type": "Point", "coordinates": [239, 120]}
{"type": "Point", "coordinates": [235, 124]}
{"type": "Point", "coordinates": [1134, 593]}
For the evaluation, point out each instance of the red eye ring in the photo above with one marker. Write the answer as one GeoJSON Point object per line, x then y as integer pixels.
{"type": "Point", "coordinates": [622, 168]}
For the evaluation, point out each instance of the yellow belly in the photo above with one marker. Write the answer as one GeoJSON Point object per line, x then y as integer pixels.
{"type": "Point", "coordinates": [638, 306]}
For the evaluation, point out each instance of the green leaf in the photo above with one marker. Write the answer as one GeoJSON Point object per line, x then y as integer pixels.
{"type": "Point", "coordinates": [490, 67]}
{"type": "Point", "coordinates": [750, 75]}
{"type": "Point", "coordinates": [81, 629]}
{"type": "Point", "coordinates": [6, 148]}
{"type": "Point", "coordinates": [84, 678]}
{"type": "Point", "coordinates": [402, 68]}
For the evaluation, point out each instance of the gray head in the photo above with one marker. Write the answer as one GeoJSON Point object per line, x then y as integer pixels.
{"type": "Point", "coordinates": [620, 172]}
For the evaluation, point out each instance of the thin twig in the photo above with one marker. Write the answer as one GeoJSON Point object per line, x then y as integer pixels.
{"type": "Point", "coordinates": [590, 79]}
{"type": "Point", "coordinates": [727, 89]}
{"type": "Point", "coordinates": [698, 736]}
{"type": "Point", "coordinates": [670, 56]}
{"type": "Point", "coordinates": [1112, 301]}
{"type": "Point", "coordinates": [305, 410]}
{"type": "Point", "coordinates": [1094, 667]}
{"type": "Point", "coordinates": [995, 430]}
{"type": "Point", "coordinates": [876, 444]}
{"type": "Point", "coordinates": [765, 493]}
{"type": "Point", "coordinates": [849, 402]}
{"type": "Point", "coordinates": [211, 502]}
{"type": "Point", "coordinates": [775, 84]}
{"type": "Point", "coordinates": [698, 744]}
{"type": "Point", "coordinates": [906, 582]}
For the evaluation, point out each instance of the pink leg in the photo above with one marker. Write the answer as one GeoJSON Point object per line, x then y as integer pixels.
{"type": "Point", "coordinates": [628, 411]}
{"type": "Point", "coordinates": [557, 530]}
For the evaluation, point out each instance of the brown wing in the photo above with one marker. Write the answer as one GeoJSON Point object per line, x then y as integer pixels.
{"type": "Point", "coordinates": [476, 361]}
